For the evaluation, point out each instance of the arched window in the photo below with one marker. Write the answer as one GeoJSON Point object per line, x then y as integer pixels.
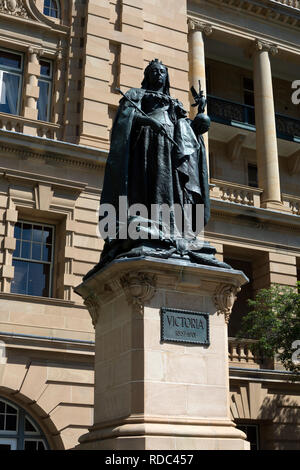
{"type": "Point", "coordinates": [52, 8]}
{"type": "Point", "coordinates": [18, 430]}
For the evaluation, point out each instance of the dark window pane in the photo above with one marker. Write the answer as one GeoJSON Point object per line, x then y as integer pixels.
{"type": "Point", "coordinates": [19, 283]}
{"type": "Point", "coordinates": [30, 445]}
{"type": "Point", "coordinates": [26, 250]}
{"type": "Point", "coordinates": [41, 446]}
{"type": "Point", "coordinates": [250, 116]}
{"type": "Point", "coordinates": [38, 279]}
{"type": "Point", "coordinates": [2, 422]}
{"type": "Point", "coordinates": [36, 251]}
{"type": "Point", "coordinates": [252, 176]}
{"type": "Point", "coordinates": [17, 231]}
{"type": "Point", "coordinates": [11, 410]}
{"type": "Point", "coordinates": [9, 92]}
{"type": "Point", "coordinates": [251, 433]}
{"type": "Point", "coordinates": [37, 235]}
{"type": "Point", "coordinates": [43, 101]}
{"type": "Point", "coordinates": [51, 8]}
{"type": "Point", "coordinates": [2, 406]}
{"type": "Point", "coordinates": [27, 232]}
{"type": "Point", "coordinates": [248, 84]}
{"type": "Point", "coordinates": [16, 253]}
{"type": "Point", "coordinates": [11, 423]}
{"type": "Point", "coordinates": [249, 98]}
{"type": "Point", "coordinates": [29, 426]}
{"type": "Point", "coordinates": [47, 237]}
{"type": "Point", "coordinates": [8, 59]}
{"type": "Point", "coordinates": [46, 253]}
{"type": "Point", "coordinates": [45, 68]}
{"type": "Point", "coordinates": [5, 447]}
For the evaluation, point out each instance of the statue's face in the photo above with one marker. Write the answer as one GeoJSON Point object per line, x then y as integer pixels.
{"type": "Point", "coordinates": [157, 77]}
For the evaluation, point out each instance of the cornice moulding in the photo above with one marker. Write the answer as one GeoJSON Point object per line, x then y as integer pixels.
{"type": "Point", "coordinates": [272, 10]}
{"type": "Point", "coordinates": [24, 176]}
{"type": "Point", "coordinates": [241, 31]}
{"type": "Point", "coordinates": [232, 209]}
{"type": "Point", "coordinates": [54, 150]}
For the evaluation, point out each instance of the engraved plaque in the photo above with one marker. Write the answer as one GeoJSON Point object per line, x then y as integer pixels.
{"type": "Point", "coordinates": [184, 326]}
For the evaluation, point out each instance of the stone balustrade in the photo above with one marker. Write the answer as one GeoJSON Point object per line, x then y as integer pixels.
{"type": "Point", "coordinates": [240, 354]}
{"type": "Point", "coordinates": [47, 130]}
{"type": "Point", "coordinates": [236, 193]}
{"type": "Point", "coordinates": [292, 203]}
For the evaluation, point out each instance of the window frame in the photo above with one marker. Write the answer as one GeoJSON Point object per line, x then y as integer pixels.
{"type": "Point", "coordinates": [20, 436]}
{"type": "Point", "coordinates": [58, 9]}
{"type": "Point", "coordinates": [50, 263]}
{"type": "Point", "coordinates": [14, 71]}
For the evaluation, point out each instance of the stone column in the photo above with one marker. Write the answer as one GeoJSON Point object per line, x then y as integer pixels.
{"type": "Point", "coordinates": [197, 64]}
{"type": "Point", "coordinates": [266, 139]}
{"type": "Point", "coordinates": [157, 389]}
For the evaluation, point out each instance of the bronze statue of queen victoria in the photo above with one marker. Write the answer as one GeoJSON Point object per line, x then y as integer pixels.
{"type": "Point", "coordinates": [157, 156]}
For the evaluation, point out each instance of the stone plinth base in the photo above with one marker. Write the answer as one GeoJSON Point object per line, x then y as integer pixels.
{"type": "Point", "coordinates": [165, 436]}
{"type": "Point", "coordinates": [151, 393]}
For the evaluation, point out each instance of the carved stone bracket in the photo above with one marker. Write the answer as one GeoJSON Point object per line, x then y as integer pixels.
{"type": "Point", "coordinates": [234, 147]}
{"type": "Point", "coordinates": [197, 25]}
{"type": "Point", "coordinates": [294, 163]}
{"type": "Point", "coordinates": [225, 296]}
{"type": "Point", "coordinates": [138, 287]}
{"type": "Point", "coordinates": [13, 7]}
{"type": "Point", "coordinates": [93, 305]}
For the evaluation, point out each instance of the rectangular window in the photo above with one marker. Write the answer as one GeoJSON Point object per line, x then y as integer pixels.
{"type": "Point", "coordinates": [252, 175]}
{"type": "Point", "coordinates": [45, 85]}
{"type": "Point", "coordinates": [11, 70]}
{"type": "Point", "coordinates": [33, 259]}
{"type": "Point", "coordinates": [248, 88]}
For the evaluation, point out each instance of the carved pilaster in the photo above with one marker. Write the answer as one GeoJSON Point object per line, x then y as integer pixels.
{"type": "Point", "coordinates": [197, 25]}
{"type": "Point", "coordinates": [224, 298]}
{"type": "Point", "coordinates": [138, 287]}
{"type": "Point", "coordinates": [93, 305]}
{"type": "Point", "coordinates": [32, 89]}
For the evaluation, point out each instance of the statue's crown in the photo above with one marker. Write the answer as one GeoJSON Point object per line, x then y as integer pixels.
{"type": "Point", "coordinates": [155, 62]}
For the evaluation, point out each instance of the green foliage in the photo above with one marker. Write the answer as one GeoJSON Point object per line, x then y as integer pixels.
{"type": "Point", "coordinates": [274, 322]}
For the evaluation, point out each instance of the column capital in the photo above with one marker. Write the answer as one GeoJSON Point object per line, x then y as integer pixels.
{"type": "Point", "coordinates": [38, 51]}
{"type": "Point", "coordinates": [263, 46]}
{"type": "Point", "coordinates": [197, 25]}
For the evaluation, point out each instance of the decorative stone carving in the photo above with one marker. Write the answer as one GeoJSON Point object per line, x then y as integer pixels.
{"type": "Point", "coordinates": [234, 147]}
{"type": "Point", "coordinates": [197, 25]}
{"type": "Point", "coordinates": [265, 46]}
{"type": "Point", "coordinates": [13, 7]}
{"type": "Point", "coordinates": [225, 296]}
{"type": "Point", "coordinates": [138, 287]}
{"type": "Point", "coordinates": [93, 305]}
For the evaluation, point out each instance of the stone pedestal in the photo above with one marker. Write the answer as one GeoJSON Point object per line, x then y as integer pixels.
{"type": "Point", "coordinates": [150, 393]}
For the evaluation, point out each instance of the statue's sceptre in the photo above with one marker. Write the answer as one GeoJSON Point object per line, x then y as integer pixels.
{"type": "Point", "coordinates": [145, 115]}
{"type": "Point", "coordinates": [199, 98]}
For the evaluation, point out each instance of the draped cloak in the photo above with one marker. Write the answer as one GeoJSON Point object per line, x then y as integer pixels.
{"type": "Point", "coordinates": [189, 157]}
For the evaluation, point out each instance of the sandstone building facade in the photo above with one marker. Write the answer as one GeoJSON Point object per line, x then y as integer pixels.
{"type": "Point", "coordinates": [60, 62]}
